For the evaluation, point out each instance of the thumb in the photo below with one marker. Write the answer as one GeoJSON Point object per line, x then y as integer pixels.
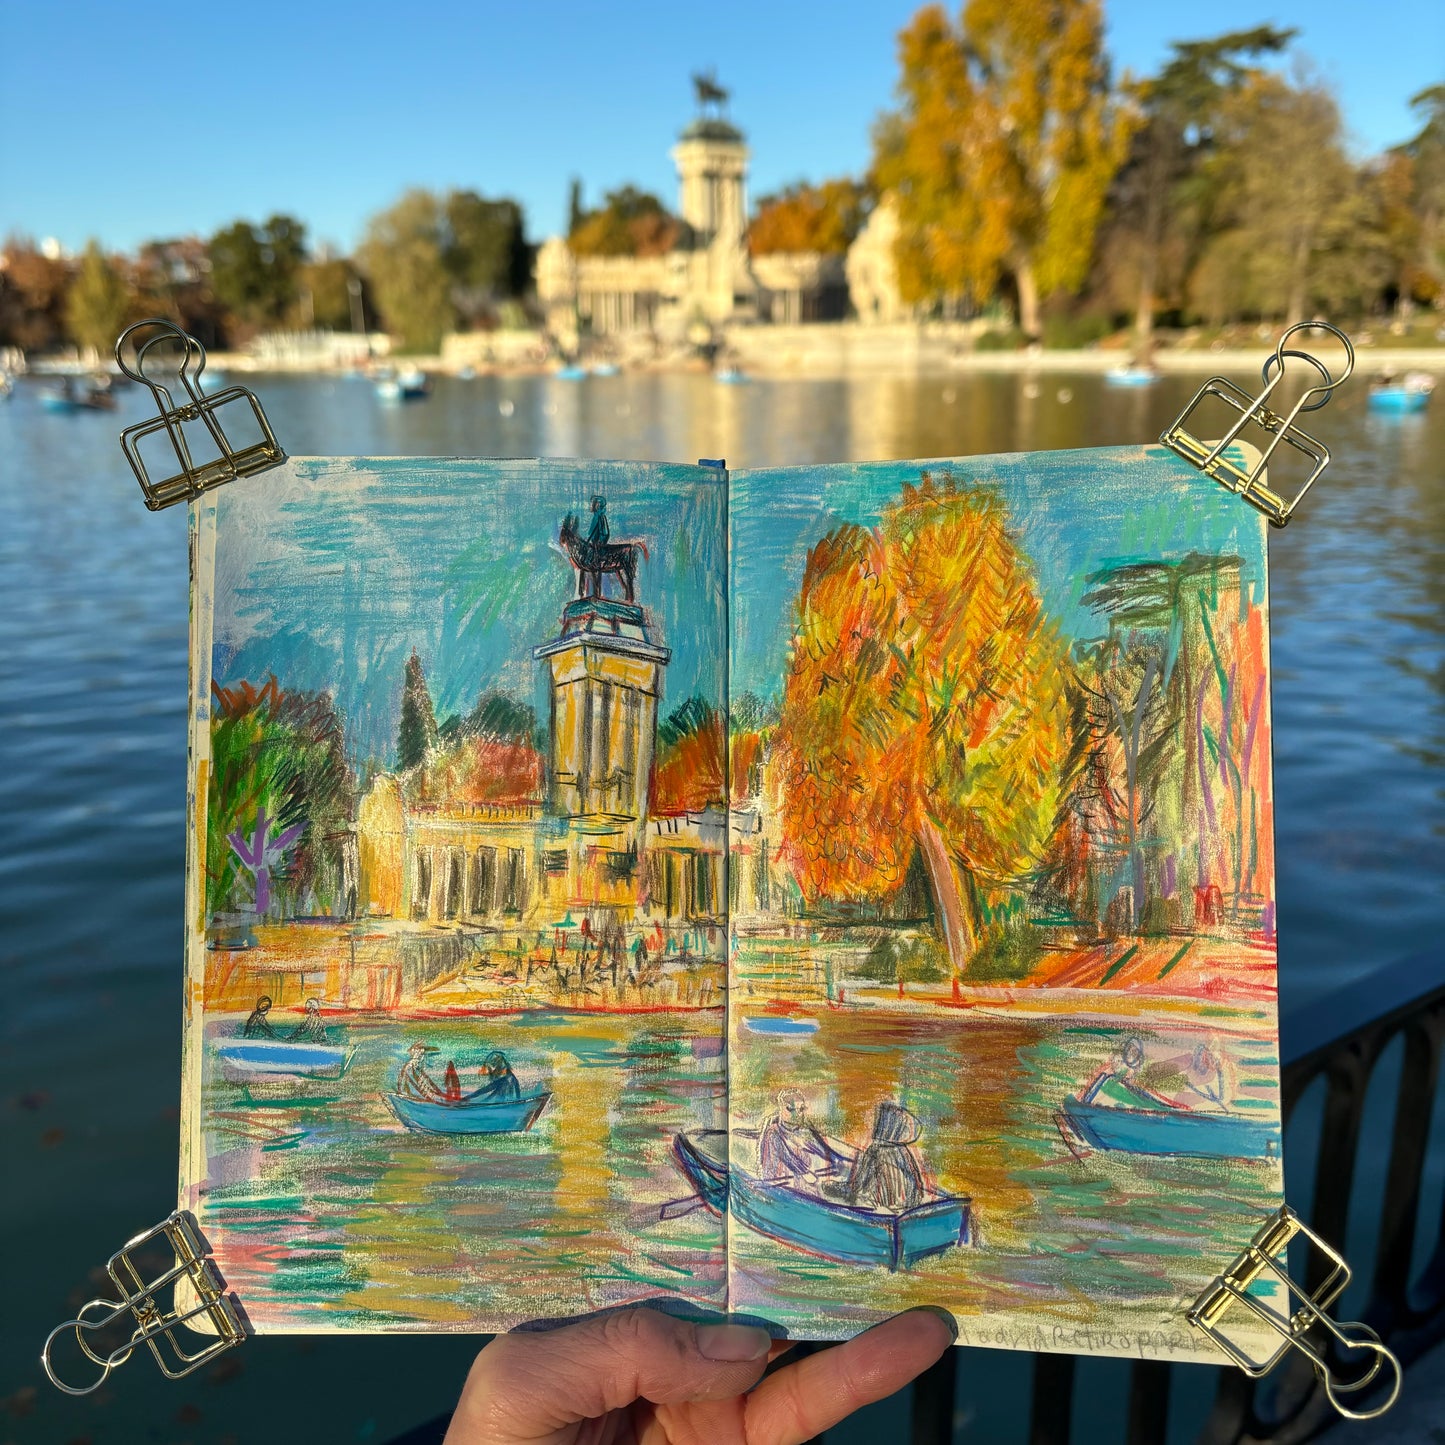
{"type": "Point", "coordinates": [530, 1385]}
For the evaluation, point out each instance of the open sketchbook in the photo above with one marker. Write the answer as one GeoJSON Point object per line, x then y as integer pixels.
{"type": "Point", "coordinates": [806, 893]}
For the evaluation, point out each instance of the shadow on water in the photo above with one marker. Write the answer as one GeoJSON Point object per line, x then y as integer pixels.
{"type": "Point", "coordinates": [93, 616]}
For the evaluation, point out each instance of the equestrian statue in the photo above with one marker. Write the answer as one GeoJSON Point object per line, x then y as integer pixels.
{"type": "Point", "coordinates": [594, 555]}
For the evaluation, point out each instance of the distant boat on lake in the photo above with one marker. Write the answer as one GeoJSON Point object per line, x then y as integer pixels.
{"type": "Point", "coordinates": [731, 376]}
{"type": "Point", "coordinates": [94, 395]}
{"type": "Point", "coordinates": [606, 368]}
{"type": "Point", "coordinates": [1130, 376]}
{"type": "Point", "coordinates": [571, 373]}
{"type": "Point", "coordinates": [409, 385]}
{"type": "Point", "coordinates": [1410, 393]}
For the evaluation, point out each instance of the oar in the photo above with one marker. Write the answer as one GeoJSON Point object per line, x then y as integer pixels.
{"type": "Point", "coordinates": [678, 1208]}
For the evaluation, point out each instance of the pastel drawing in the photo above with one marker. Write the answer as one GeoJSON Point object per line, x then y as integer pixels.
{"type": "Point", "coordinates": [808, 893]}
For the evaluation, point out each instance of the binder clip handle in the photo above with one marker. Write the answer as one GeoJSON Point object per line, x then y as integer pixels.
{"type": "Point", "coordinates": [166, 331]}
{"type": "Point", "coordinates": [1356, 1336]}
{"type": "Point", "coordinates": [1275, 363]}
{"type": "Point", "coordinates": [80, 1325]}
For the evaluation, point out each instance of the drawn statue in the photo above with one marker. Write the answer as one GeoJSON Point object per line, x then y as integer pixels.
{"type": "Point", "coordinates": [594, 555]}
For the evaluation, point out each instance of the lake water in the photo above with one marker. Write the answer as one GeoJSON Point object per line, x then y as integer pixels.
{"type": "Point", "coordinates": [92, 771]}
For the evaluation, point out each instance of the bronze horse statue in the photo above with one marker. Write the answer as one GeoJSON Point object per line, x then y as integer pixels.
{"type": "Point", "coordinates": [593, 559]}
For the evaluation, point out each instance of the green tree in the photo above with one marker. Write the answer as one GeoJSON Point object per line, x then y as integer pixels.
{"type": "Point", "coordinates": [1002, 150]}
{"type": "Point", "coordinates": [485, 251]}
{"type": "Point", "coordinates": [403, 256]}
{"type": "Point", "coordinates": [328, 284]}
{"type": "Point", "coordinates": [279, 757]}
{"type": "Point", "coordinates": [417, 733]}
{"type": "Point", "coordinates": [255, 269]}
{"type": "Point", "coordinates": [1159, 206]}
{"type": "Point", "coordinates": [100, 301]}
{"type": "Point", "coordinates": [1298, 230]}
{"type": "Point", "coordinates": [1421, 277]}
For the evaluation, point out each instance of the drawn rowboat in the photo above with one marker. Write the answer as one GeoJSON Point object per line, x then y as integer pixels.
{"type": "Point", "coordinates": [246, 1061]}
{"type": "Point", "coordinates": [1172, 1131]}
{"type": "Point", "coordinates": [833, 1230]}
{"type": "Point", "coordinates": [511, 1116]}
{"type": "Point", "coordinates": [781, 1026]}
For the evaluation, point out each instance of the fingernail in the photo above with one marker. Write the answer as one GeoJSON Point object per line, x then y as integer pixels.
{"type": "Point", "coordinates": [938, 1313]}
{"type": "Point", "coordinates": [732, 1343]}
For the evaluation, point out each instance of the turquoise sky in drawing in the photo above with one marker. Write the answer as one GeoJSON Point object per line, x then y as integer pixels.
{"type": "Point", "coordinates": [330, 571]}
{"type": "Point", "coordinates": [1074, 513]}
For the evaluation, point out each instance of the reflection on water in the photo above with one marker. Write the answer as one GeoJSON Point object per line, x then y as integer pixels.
{"type": "Point", "coordinates": [326, 1200]}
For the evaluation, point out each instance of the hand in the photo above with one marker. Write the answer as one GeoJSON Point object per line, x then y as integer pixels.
{"type": "Point", "coordinates": [640, 1377]}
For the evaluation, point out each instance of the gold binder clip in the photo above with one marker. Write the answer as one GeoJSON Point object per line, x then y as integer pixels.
{"type": "Point", "coordinates": [1250, 483]}
{"type": "Point", "coordinates": [197, 1290]}
{"type": "Point", "coordinates": [200, 411]}
{"type": "Point", "coordinates": [1263, 1262]}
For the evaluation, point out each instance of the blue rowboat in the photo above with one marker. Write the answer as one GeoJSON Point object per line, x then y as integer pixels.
{"type": "Point", "coordinates": [1165, 1130]}
{"type": "Point", "coordinates": [570, 373]}
{"type": "Point", "coordinates": [512, 1116]}
{"type": "Point", "coordinates": [824, 1227]}
{"type": "Point", "coordinates": [1130, 376]}
{"type": "Point", "coordinates": [781, 1026]}
{"type": "Point", "coordinates": [246, 1061]}
{"type": "Point", "coordinates": [1399, 399]}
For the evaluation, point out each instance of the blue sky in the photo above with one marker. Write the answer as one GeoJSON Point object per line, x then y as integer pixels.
{"type": "Point", "coordinates": [126, 123]}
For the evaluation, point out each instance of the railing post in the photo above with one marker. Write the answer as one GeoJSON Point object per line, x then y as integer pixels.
{"type": "Point", "coordinates": [1053, 1403]}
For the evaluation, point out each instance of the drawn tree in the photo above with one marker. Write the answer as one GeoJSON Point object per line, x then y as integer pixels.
{"type": "Point", "coordinates": [280, 801]}
{"type": "Point", "coordinates": [1148, 681]}
{"type": "Point", "coordinates": [927, 710]}
{"type": "Point", "coordinates": [417, 733]}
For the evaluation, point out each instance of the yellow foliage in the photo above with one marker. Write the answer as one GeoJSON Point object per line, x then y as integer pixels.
{"type": "Point", "coordinates": [1003, 148]}
{"type": "Point", "coordinates": [925, 688]}
{"type": "Point", "coordinates": [823, 218]}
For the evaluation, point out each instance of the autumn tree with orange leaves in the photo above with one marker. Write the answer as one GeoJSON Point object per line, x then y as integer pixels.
{"type": "Point", "coordinates": [928, 709]}
{"type": "Point", "coordinates": [1002, 149]}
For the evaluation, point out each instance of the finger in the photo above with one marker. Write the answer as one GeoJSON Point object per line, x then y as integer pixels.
{"type": "Point", "coordinates": [809, 1397]}
{"type": "Point", "coordinates": [528, 1385]}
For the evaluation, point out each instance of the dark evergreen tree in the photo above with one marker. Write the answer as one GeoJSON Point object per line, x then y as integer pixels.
{"type": "Point", "coordinates": [417, 733]}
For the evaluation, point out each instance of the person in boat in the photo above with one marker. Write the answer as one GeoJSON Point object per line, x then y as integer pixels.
{"type": "Point", "coordinates": [258, 1026]}
{"type": "Point", "coordinates": [500, 1086]}
{"type": "Point", "coordinates": [413, 1081]}
{"type": "Point", "coordinates": [1207, 1075]}
{"type": "Point", "coordinates": [311, 1028]}
{"type": "Point", "coordinates": [1126, 1080]}
{"type": "Point", "coordinates": [790, 1147]}
{"type": "Point", "coordinates": [889, 1173]}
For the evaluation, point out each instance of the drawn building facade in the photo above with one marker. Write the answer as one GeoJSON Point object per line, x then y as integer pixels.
{"type": "Point", "coordinates": [587, 841]}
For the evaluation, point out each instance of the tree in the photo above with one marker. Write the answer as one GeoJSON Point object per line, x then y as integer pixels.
{"type": "Point", "coordinates": [824, 218]}
{"type": "Point", "coordinates": [629, 222]}
{"type": "Point", "coordinates": [417, 733]}
{"type": "Point", "coordinates": [1002, 150]}
{"type": "Point", "coordinates": [32, 295]}
{"type": "Point", "coordinates": [485, 251]}
{"type": "Point", "coordinates": [1297, 227]}
{"type": "Point", "coordinates": [255, 269]}
{"type": "Point", "coordinates": [403, 255]}
{"type": "Point", "coordinates": [328, 283]}
{"type": "Point", "coordinates": [99, 303]}
{"type": "Point", "coordinates": [279, 802]}
{"type": "Point", "coordinates": [1418, 168]}
{"type": "Point", "coordinates": [927, 710]}
{"type": "Point", "coordinates": [1158, 207]}
{"type": "Point", "coordinates": [690, 771]}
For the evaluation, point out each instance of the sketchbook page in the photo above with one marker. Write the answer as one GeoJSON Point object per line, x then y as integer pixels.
{"type": "Point", "coordinates": [1002, 1032]}
{"type": "Point", "coordinates": [455, 953]}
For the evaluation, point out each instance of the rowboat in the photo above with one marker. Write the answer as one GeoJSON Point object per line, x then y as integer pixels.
{"type": "Point", "coordinates": [246, 1061]}
{"type": "Point", "coordinates": [731, 376]}
{"type": "Point", "coordinates": [1399, 399]}
{"type": "Point", "coordinates": [781, 1026]}
{"type": "Point", "coordinates": [511, 1116]}
{"type": "Point", "coordinates": [1172, 1131]}
{"type": "Point", "coordinates": [1130, 376]}
{"type": "Point", "coordinates": [571, 373]}
{"type": "Point", "coordinates": [828, 1228]}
